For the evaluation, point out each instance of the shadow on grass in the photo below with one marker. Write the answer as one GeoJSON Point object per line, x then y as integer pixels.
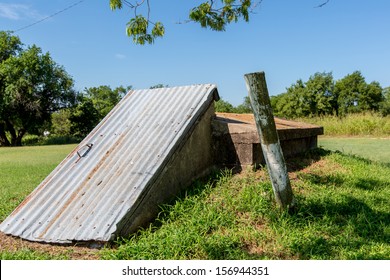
{"type": "Point", "coordinates": [338, 180]}
{"type": "Point", "coordinates": [331, 180]}
{"type": "Point", "coordinates": [370, 184]}
{"type": "Point", "coordinates": [306, 159]}
{"type": "Point", "coordinates": [322, 226]}
{"type": "Point", "coordinates": [349, 224]}
{"type": "Point", "coordinates": [360, 158]}
{"type": "Point", "coordinates": [335, 220]}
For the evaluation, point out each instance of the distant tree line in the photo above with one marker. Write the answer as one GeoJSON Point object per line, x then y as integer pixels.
{"type": "Point", "coordinates": [223, 106]}
{"type": "Point", "coordinates": [321, 95]}
{"type": "Point", "coordinates": [37, 96]}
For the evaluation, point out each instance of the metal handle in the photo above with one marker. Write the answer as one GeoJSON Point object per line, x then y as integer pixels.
{"type": "Point", "coordinates": [89, 145]}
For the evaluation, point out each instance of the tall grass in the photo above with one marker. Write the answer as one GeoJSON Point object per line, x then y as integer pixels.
{"type": "Point", "coordinates": [364, 124]}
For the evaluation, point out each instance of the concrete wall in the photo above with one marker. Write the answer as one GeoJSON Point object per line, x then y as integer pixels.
{"type": "Point", "coordinates": [237, 144]}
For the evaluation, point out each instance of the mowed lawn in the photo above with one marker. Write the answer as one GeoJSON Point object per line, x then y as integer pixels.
{"type": "Point", "coordinates": [23, 168]}
{"type": "Point", "coordinates": [375, 149]}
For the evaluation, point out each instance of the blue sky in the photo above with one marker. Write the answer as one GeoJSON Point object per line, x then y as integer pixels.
{"type": "Point", "coordinates": [288, 39]}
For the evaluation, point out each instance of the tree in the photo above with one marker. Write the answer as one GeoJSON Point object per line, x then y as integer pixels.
{"type": "Point", "coordinates": [354, 95]}
{"type": "Point", "coordinates": [276, 100]}
{"type": "Point", "coordinates": [282, 105]}
{"type": "Point", "coordinates": [32, 87]}
{"type": "Point", "coordinates": [312, 98]}
{"type": "Point", "coordinates": [92, 106]}
{"type": "Point", "coordinates": [293, 103]}
{"type": "Point", "coordinates": [320, 96]}
{"type": "Point", "coordinates": [158, 86]}
{"type": "Point", "coordinates": [320, 93]}
{"type": "Point", "coordinates": [222, 106]}
{"type": "Point", "coordinates": [60, 122]}
{"type": "Point", "coordinates": [245, 107]}
{"type": "Point", "coordinates": [384, 107]}
{"type": "Point", "coordinates": [83, 118]}
{"type": "Point", "coordinates": [208, 14]}
{"type": "Point", "coordinates": [212, 14]}
{"type": "Point", "coordinates": [104, 98]}
{"type": "Point", "coordinates": [9, 46]}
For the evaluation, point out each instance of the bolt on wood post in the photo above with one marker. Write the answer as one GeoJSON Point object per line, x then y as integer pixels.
{"type": "Point", "coordinates": [269, 140]}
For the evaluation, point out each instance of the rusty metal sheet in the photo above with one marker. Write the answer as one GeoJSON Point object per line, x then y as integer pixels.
{"type": "Point", "coordinates": [92, 189]}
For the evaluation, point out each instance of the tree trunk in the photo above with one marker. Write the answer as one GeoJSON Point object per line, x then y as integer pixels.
{"type": "Point", "coordinates": [269, 139]}
{"type": "Point", "coordinates": [21, 133]}
{"type": "Point", "coordinates": [3, 137]}
{"type": "Point", "coordinates": [16, 137]}
{"type": "Point", "coordinates": [11, 130]}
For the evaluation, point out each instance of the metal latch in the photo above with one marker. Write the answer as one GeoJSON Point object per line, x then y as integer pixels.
{"type": "Point", "coordinates": [89, 147]}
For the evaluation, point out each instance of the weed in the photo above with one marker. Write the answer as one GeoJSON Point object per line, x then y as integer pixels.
{"type": "Point", "coordinates": [364, 124]}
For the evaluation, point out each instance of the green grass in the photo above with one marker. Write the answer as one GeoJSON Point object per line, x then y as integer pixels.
{"type": "Point", "coordinates": [28, 254]}
{"type": "Point", "coordinates": [343, 211]}
{"type": "Point", "coordinates": [22, 169]}
{"type": "Point", "coordinates": [370, 148]}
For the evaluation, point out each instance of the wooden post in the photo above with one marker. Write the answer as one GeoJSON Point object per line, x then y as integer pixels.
{"type": "Point", "coordinates": [266, 128]}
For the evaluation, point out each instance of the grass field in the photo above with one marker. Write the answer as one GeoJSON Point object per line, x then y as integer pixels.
{"type": "Point", "coordinates": [375, 149]}
{"type": "Point", "coordinates": [22, 169]}
{"type": "Point", "coordinates": [343, 212]}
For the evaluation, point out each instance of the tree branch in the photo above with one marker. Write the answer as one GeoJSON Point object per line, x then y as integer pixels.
{"type": "Point", "coordinates": [323, 4]}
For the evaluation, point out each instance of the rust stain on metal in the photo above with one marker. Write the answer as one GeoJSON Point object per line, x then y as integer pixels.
{"type": "Point", "coordinates": [130, 143]}
{"type": "Point", "coordinates": [21, 205]}
{"type": "Point", "coordinates": [81, 186]}
{"type": "Point", "coordinates": [41, 185]}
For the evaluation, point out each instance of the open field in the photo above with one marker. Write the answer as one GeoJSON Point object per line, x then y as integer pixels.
{"type": "Point", "coordinates": [343, 213]}
{"type": "Point", "coordinates": [375, 149]}
{"type": "Point", "coordinates": [22, 169]}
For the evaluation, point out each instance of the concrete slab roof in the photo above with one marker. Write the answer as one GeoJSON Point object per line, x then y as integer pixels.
{"type": "Point", "coordinates": [236, 124]}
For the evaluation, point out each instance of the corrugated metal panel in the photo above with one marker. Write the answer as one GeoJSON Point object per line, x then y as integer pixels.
{"type": "Point", "coordinates": [89, 193]}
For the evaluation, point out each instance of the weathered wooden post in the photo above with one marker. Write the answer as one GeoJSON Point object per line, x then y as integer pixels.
{"type": "Point", "coordinates": [265, 123]}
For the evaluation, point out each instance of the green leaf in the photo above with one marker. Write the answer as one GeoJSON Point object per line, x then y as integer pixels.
{"type": "Point", "coordinates": [158, 30]}
{"type": "Point", "coordinates": [115, 4]}
{"type": "Point", "coordinates": [138, 29]}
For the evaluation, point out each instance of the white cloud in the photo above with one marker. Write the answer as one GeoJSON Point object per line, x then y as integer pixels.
{"type": "Point", "coordinates": [120, 56]}
{"type": "Point", "coordinates": [18, 12]}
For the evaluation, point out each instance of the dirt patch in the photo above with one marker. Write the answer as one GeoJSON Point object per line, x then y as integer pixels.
{"type": "Point", "coordinates": [13, 244]}
{"type": "Point", "coordinates": [324, 166]}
